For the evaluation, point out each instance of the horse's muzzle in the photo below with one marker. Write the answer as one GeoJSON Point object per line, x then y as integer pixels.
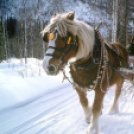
{"type": "Point", "coordinates": [52, 69]}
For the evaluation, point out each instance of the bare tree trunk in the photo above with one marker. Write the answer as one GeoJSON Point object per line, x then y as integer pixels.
{"type": "Point", "coordinates": [126, 21]}
{"type": "Point", "coordinates": [31, 34]}
{"type": "Point", "coordinates": [25, 35]}
{"type": "Point", "coordinates": [95, 14]}
{"type": "Point", "coordinates": [5, 38]}
{"type": "Point", "coordinates": [60, 6]}
{"type": "Point", "coordinates": [43, 44]}
{"type": "Point", "coordinates": [118, 23]}
{"type": "Point", "coordinates": [19, 49]}
{"type": "Point", "coordinates": [115, 20]}
{"type": "Point", "coordinates": [4, 28]}
{"type": "Point", "coordinates": [41, 28]}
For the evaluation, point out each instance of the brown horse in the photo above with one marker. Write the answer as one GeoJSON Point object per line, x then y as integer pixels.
{"type": "Point", "coordinates": [94, 64]}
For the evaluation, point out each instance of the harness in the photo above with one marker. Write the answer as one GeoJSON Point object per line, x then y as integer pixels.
{"type": "Point", "coordinates": [93, 61]}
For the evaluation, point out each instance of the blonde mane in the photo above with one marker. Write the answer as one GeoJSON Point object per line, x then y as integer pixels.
{"type": "Point", "coordinates": [84, 32]}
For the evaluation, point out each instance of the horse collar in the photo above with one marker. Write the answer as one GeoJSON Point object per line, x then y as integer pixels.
{"type": "Point", "coordinates": [87, 65]}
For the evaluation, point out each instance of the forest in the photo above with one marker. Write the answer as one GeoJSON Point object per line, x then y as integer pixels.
{"type": "Point", "coordinates": [33, 102]}
{"type": "Point", "coordinates": [22, 21]}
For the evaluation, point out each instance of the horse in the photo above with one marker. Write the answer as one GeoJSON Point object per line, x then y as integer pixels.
{"type": "Point", "coordinates": [94, 63]}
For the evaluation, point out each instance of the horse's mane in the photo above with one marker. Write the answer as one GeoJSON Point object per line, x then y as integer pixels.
{"type": "Point", "coordinates": [84, 32]}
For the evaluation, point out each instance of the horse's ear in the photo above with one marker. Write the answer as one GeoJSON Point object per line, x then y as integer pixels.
{"type": "Point", "coordinates": [71, 15]}
{"type": "Point", "coordinates": [54, 15]}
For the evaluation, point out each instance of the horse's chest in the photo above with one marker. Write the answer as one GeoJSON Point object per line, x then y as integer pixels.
{"type": "Point", "coordinates": [84, 78]}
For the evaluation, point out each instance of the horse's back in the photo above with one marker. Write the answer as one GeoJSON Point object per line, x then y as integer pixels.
{"type": "Point", "coordinates": [122, 49]}
{"type": "Point", "coordinates": [121, 53]}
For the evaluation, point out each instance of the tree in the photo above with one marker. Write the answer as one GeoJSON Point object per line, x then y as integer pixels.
{"type": "Point", "coordinates": [2, 51]}
{"type": "Point", "coordinates": [115, 20]}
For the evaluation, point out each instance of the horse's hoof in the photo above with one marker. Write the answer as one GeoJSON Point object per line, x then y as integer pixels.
{"type": "Point", "coordinates": [112, 111]}
{"type": "Point", "coordinates": [89, 131]}
{"type": "Point", "coordinates": [87, 114]}
{"type": "Point", "coordinates": [87, 118]}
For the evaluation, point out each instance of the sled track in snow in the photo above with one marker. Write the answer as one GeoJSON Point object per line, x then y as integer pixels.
{"type": "Point", "coordinates": [59, 112]}
{"type": "Point", "coordinates": [40, 103]}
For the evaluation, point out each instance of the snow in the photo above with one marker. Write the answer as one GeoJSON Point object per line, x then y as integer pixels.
{"type": "Point", "coordinates": [16, 88]}
{"type": "Point", "coordinates": [33, 103]}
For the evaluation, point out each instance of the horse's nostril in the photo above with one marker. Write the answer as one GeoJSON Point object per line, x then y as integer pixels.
{"type": "Point", "coordinates": [51, 68]}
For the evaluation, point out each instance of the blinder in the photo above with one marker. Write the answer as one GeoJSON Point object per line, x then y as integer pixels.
{"type": "Point", "coordinates": [45, 37]}
{"type": "Point", "coordinates": [68, 40]}
{"type": "Point", "coordinates": [51, 36]}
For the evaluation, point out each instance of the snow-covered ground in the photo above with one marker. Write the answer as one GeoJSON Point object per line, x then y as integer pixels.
{"type": "Point", "coordinates": [33, 103]}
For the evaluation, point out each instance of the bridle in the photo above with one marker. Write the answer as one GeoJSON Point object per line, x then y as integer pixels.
{"type": "Point", "coordinates": [68, 40]}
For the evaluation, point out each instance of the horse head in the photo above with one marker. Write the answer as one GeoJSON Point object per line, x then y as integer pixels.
{"type": "Point", "coordinates": [62, 46]}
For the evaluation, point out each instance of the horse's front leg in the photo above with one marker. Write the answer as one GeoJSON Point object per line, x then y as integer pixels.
{"type": "Point", "coordinates": [85, 104]}
{"type": "Point", "coordinates": [96, 109]}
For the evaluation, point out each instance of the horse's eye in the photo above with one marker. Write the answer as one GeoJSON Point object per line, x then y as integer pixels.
{"type": "Point", "coordinates": [51, 36]}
